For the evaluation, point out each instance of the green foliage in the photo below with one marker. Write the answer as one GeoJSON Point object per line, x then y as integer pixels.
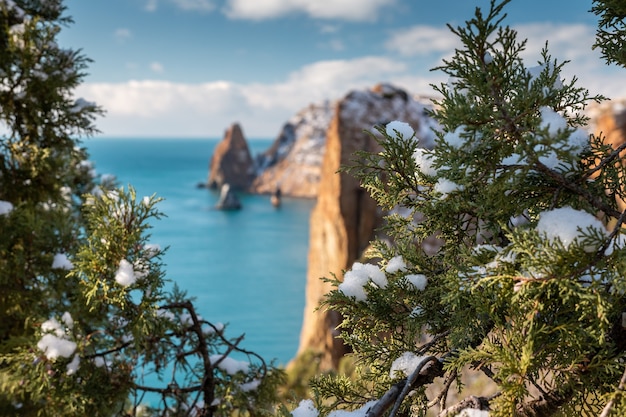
{"type": "Point", "coordinates": [88, 327]}
{"type": "Point", "coordinates": [511, 261]}
{"type": "Point", "coordinates": [611, 33]}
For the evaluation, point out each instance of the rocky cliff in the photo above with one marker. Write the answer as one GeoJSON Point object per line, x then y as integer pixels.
{"type": "Point", "coordinates": [293, 162]}
{"type": "Point", "coordinates": [344, 218]}
{"type": "Point", "coordinates": [609, 120]}
{"type": "Point", "coordinates": [231, 162]}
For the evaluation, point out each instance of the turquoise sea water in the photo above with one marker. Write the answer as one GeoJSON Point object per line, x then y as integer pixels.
{"type": "Point", "coordinates": [245, 268]}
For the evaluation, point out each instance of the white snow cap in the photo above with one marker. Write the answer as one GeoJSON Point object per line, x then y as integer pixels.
{"type": "Point", "coordinates": [72, 367]}
{"type": "Point", "coordinates": [355, 280]}
{"type": "Point", "coordinates": [250, 386]}
{"type": "Point", "coordinates": [54, 343]}
{"type": "Point", "coordinates": [67, 320]}
{"type": "Point", "coordinates": [424, 160]}
{"type": "Point", "coordinates": [5, 207]}
{"type": "Point", "coordinates": [445, 186]}
{"type": "Point", "coordinates": [54, 346]}
{"type": "Point", "coordinates": [552, 120]}
{"type": "Point", "coordinates": [361, 412]}
{"type": "Point", "coordinates": [61, 261]}
{"type": "Point", "coordinates": [401, 129]}
{"type": "Point", "coordinates": [419, 281]}
{"type": "Point", "coordinates": [567, 225]}
{"type": "Point", "coordinates": [405, 365]}
{"type": "Point", "coordinates": [473, 412]}
{"type": "Point", "coordinates": [455, 139]}
{"type": "Point", "coordinates": [306, 408]}
{"type": "Point", "coordinates": [396, 264]}
{"type": "Point", "coordinates": [52, 325]}
{"type": "Point", "coordinates": [125, 275]}
{"type": "Point", "coordinates": [230, 365]}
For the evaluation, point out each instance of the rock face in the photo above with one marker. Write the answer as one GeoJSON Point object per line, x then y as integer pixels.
{"type": "Point", "coordinates": [344, 219]}
{"type": "Point", "coordinates": [231, 162]}
{"type": "Point", "coordinates": [609, 120]}
{"type": "Point", "coordinates": [293, 162]}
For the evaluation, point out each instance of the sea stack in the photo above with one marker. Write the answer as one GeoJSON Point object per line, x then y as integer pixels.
{"type": "Point", "coordinates": [228, 199]}
{"type": "Point", "coordinates": [231, 162]}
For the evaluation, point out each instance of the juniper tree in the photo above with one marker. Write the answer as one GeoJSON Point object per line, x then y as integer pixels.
{"type": "Point", "coordinates": [87, 326]}
{"type": "Point", "coordinates": [611, 33]}
{"type": "Point", "coordinates": [525, 286]}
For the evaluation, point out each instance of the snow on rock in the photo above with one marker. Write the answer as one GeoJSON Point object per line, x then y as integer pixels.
{"type": "Point", "coordinates": [345, 217]}
{"type": "Point", "coordinates": [567, 225]}
{"type": "Point", "coordinates": [293, 162]}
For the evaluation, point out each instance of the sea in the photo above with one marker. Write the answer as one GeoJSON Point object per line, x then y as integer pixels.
{"type": "Point", "coordinates": [246, 268]}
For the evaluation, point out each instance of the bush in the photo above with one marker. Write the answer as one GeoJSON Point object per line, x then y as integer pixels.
{"type": "Point", "coordinates": [527, 282]}
{"type": "Point", "coordinates": [85, 314]}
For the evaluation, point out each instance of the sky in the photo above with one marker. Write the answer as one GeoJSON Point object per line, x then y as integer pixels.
{"type": "Point", "coordinates": [191, 68]}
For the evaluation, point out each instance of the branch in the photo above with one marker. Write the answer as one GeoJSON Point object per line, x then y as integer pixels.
{"type": "Point", "coordinates": [561, 180]}
{"type": "Point", "coordinates": [618, 393]}
{"type": "Point", "coordinates": [479, 403]}
{"type": "Point", "coordinates": [421, 376]}
{"type": "Point", "coordinates": [604, 162]}
{"type": "Point", "coordinates": [546, 405]}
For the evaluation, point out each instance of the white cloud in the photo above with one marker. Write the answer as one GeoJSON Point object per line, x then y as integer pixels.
{"type": "Point", "coordinates": [156, 67]}
{"type": "Point", "coordinates": [565, 41]}
{"type": "Point", "coordinates": [145, 108]}
{"type": "Point", "coordinates": [573, 42]}
{"type": "Point", "coordinates": [163, 108]}
{"type": "Point", "coordinates": [422, 40]}
{"type": "Point", "coordinates": [354, 10]}
{"type": "Point", "coordinates": [122, 34]}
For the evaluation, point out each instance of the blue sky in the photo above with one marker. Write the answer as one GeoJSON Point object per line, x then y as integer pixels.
{"type": "Point", "coordinates": [189, 68]}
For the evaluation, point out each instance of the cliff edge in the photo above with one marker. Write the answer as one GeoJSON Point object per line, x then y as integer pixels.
{"type": "Point", "coordinates": [345, 217]}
